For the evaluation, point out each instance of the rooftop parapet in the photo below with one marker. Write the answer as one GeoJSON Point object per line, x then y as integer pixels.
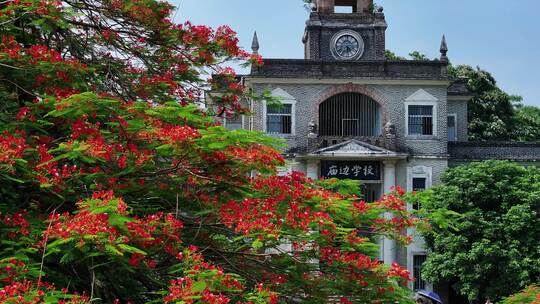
{"type": "Point", "coordinates": [380, 69]}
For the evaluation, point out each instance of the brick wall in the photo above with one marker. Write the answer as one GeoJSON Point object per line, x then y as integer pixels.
{"type": "Point", "coordinates": [396, 95]}
{"type": "Point", "coordinates": [459, 107]}
{"type": "Point", "coordinates": [475, 151]}
{"type": "Point", "coordinates": [321, 28]}
{"type": "Point", "coordinates": [320, 43]}
{"type": "Point", "coordinates": [317, 69]}
{"type": "Point", "coordinates": [438, 166]}
{"type": "Point", "coordinates": [391, 97]}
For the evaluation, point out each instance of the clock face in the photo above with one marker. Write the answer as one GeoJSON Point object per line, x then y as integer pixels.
{"type": "Point", "coordinates": [347, 46]}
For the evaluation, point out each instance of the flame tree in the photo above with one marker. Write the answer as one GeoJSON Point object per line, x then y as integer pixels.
{"type": "Point", "coordinates": [118, 188]}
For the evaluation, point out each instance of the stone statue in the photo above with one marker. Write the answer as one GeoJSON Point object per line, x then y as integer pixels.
{"type": "Point", "coordinates": [312, 126]}
{"type": "Point", "coordinates": [389, 129]}
{"type": "Point", "coordinates": [390, 136]}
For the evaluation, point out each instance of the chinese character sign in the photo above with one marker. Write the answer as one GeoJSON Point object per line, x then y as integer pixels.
{"type": "Point", "coordinates": [358, 170]}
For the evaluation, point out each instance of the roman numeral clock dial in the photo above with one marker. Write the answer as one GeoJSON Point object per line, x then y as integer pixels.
{"type": "Point", "coordinates": [347, 45]}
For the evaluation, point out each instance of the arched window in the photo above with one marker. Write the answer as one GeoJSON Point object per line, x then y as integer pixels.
{"type": "Point", "coordinates": [350, 115]}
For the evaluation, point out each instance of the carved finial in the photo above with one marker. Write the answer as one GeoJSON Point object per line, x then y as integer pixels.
{"type": "Point", "coordinates": [313, 6]}
{"type": "Point", "coordinates": [444, 49]}
{"type": "Point", "coordinates": [255, 44]}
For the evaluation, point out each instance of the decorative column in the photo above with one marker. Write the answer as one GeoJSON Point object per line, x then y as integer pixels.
{"type": "Point", "coordinates": [325, 6]}
{"type": "Point", "coordinates": [389, 175]}
{"type": "Point", "coordinates": [389, 247]}
{"type": "Point", "coordinates": [363, 6]}
{"type": "Point", "coordinates": [312, 169]}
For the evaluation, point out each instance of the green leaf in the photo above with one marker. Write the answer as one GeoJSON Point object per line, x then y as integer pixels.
{"type": "Point", "coordinates": [164, 147]}
{"type": "Point", "coordinates": [131, 249]}
{"type": "Point", "coordinates": [218, 145]}
{"type": "Point", "coordinates": [198, 287]}
{"type": "Point", "coordinates": [119, 220]}
{"type": "Point", "coordinates": [59, 242]}
{"type": "Point", "coordinates": [13, 179]}
{"type": "Point", "coordinates": [67, 257]}
{"type": "Point", "coordinates": [257, 244]}
{"type": "Point", "coordinates": [110, 249]}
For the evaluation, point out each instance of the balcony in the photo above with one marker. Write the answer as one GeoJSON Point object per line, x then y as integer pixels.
{"type": "Point", "coordinates": [350, 116]}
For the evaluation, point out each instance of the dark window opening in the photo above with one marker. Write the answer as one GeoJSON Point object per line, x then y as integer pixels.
{"type": "Point", "coordinates": [418, 261]}
{"type": "Point", "coordinates": [418, 184]}
{"type": "Point", "coordinates": [279, 119]}
{"type": "Point", "coordinates": [420, 120]}
{"type": "Point", "coordinates": [349, 115]}
{"type": "Point", "coordinates": [452, 130]}
{"type": "Point", "coordinates": [370, 192]}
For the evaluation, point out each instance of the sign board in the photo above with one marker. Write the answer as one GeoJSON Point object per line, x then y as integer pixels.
{"type": "Point", "coordinates": [357, 170]}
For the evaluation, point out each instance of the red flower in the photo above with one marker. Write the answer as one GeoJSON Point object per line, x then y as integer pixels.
{"type": "Point", "coordinates": [12, 148]}
{"type": "Point", "coordinates": [343, 300]}
{"type": "Point", "coordinates": [397, 271]}
{"type": "Point", "coordinates": [136, 259]}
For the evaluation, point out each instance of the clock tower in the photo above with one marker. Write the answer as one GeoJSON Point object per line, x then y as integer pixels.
{"type": "Point", "coordinates": [356, 35]}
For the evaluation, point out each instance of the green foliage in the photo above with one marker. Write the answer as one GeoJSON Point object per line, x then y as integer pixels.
{"type": "Point", "coordinates": [435, 216]}
{"type": "Point", "coordinates": [123, 193]}
{"type": "Point", "coordinates": [418, 56]}
{"type": "Point", "coordinates": [389, 55]}
{"type": "Point", "coordinates": [491, 111]}
{"type": "Point", "coordinates": [345, 187]}
{"type": "Point", "coordinates": [530, 295]}
{"type": "Point", "coordinates": [494, 249]}
{"type": "Point", "coordinates": [528, 123]}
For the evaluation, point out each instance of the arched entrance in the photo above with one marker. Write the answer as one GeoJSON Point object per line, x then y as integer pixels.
{"type": "Point", "coordinates": [350, 115]}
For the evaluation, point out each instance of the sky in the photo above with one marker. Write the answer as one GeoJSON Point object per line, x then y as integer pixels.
{"type": "Point", "coordinates": [500, 36]}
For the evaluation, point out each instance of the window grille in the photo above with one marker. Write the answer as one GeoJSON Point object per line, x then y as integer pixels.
{"type": "Point", "coordinates": [420, 120]}
{"type": "Point", "coordinates": [349, 115]}
{"type": "Point", "coordinates": [350, 127]}
{"type": "Point", "coordinates": [279, 119]}
{"type": "Point", "coordinates": [418, 261]}
{"type": "Point", "coordinates": [419, 184]}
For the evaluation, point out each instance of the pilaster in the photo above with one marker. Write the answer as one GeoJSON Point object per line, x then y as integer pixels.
{"type": "Point", "coordinates": [312, 170]}
{"type": "Point", "coordinates": [389, 247]}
